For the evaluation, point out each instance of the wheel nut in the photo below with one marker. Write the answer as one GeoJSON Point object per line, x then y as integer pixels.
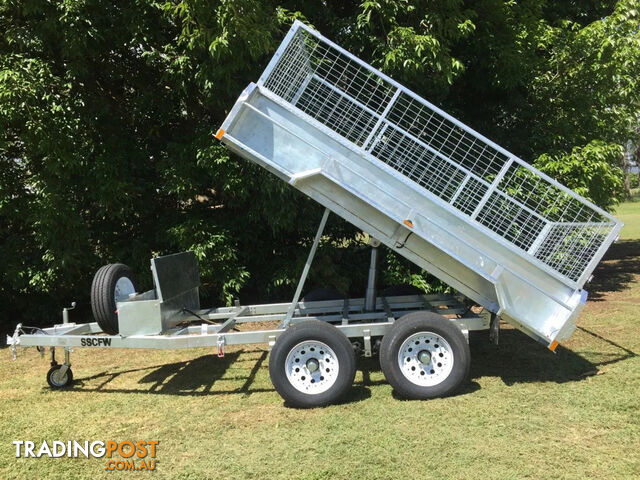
{"type": "Point", "coordinates": [425, 357]}
{"type": "Point", "coordinates": [312, 365]}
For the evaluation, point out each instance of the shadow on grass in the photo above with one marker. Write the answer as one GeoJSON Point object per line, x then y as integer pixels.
{"type": "Point", "coordinates": [356, 393]}
{"type": "Point", "coordinates": [616, 271]}
{"type": "Point", "coordinates": [518, 359]}
{"type": "Point", "coordinates": [195, 377]}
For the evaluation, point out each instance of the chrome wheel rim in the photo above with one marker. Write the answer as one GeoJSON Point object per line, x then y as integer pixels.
{"type": "Point", "coordinates": [312, 367]}
{"type": "Point", "coordinates": [425, 359]}
{"type": "Point", "coordinates": [124, 288]}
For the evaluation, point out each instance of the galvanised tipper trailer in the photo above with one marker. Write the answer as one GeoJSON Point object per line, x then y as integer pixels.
{"type": "Point", "coordinates": [417, 180]}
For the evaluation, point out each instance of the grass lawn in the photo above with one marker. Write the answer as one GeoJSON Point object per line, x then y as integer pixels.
{"type": "Point", "coordinates": [629, 213]}
{"type": "Point", "coordinates": [526, 413]}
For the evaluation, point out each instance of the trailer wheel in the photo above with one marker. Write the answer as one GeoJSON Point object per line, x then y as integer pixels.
{"type": "Point", "coordinates": [312, 364]}
{"type": "Point", "coordinates": [58, 380]}
{"type": "Point", "coordinates": [111, 283]}
{"type": "Point", "coordinates": [425, 355]}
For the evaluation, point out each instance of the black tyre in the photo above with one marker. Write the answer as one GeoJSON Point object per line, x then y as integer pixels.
{"type": "Point", "coordinates": [322, 294]}
{"type": "Point", "coordinates": [111, 283]}
{"type": "Point", "coordinates": [312, 364]}
{"type": "Point", "coordinates": [425, 355]}
{"type": "Point", "coordinates": [57, 380]}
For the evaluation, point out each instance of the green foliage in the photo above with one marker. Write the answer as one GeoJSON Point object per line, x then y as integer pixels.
{"type": "Point", "coordinates": [108, 110]}
{"type": "Point", "coordinates": [412, 41]}
{"type": "Point", "coordinates": [399, 271]}
{"type": "Point", "coordinates": [590, 89]}
{"type": "Point", "coordinates": [592, 171]}
{"type": "Point", "coordinates": [544, 77]}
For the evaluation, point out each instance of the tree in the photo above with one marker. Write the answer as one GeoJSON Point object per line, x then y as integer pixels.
{"type": "Point", "coordinates": [593, 171]}
{"type": "Point", "coordinates": [107, 115]}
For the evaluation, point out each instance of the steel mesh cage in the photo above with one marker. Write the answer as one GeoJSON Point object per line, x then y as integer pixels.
{"type": "Point", "coordinates": [480, 180]}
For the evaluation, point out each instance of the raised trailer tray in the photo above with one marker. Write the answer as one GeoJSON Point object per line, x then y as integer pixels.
{"type": "Point", "coordinates": [427, 186]}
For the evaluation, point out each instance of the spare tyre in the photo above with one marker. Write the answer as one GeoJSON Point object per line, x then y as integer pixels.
{"type": "Point", "coordinates": [111, 284]}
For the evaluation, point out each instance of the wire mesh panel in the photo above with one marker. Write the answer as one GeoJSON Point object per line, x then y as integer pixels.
{"type": "Point", "coordinates": [480, 180]}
